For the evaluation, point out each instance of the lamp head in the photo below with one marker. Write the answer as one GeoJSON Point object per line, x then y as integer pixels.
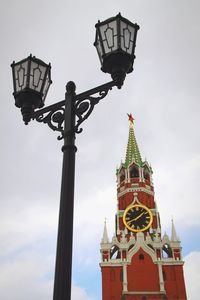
{"type": "Point", "coordinates": [31, 81]}
{"type": "Point", "coordinates": [115, 43]}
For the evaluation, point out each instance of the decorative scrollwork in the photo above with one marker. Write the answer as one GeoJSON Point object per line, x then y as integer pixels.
{"type": "Point", "coordinates": [54, 115]}
{"type": "Point", "coordinates": [53, 118]}
{"type": "Point", "coordinates": [84, 107]}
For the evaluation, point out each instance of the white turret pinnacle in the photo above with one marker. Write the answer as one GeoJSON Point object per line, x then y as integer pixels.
{"type": "Point", "coordinates": [105, 239]}
{"type": "Point", "coordinates": [174, 237]}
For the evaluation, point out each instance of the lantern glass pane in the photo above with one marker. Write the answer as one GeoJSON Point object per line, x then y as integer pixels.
{"type": "Point", "coordinates": [37, 73]}
{"type": "Point", "coordinates": [20, 71]}
{"type": "Point", "coordinates": [99, 48]}
{"type": "Point", "coordinates": [127, 37]}
{"type": "Point", "coordinates": [46, 86]}
{"type": "Point", "coordinates": [109, 36]}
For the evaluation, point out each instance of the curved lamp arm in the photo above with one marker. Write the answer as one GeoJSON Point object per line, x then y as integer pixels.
{"type": "Point", "coordinates": [54, 115]}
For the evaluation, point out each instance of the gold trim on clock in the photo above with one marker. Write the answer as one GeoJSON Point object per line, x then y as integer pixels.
{"type": "Point", "coordinates": [137, 217]}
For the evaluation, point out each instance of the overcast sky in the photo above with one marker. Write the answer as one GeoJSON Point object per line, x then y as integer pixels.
{"type": "Point", "coordinates": [162, 94]}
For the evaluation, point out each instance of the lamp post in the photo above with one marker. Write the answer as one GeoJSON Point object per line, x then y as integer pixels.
{"type": "Point", "coordinates": [115, 42]}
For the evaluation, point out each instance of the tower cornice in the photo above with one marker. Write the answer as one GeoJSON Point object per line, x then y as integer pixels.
{"type": "Point", "coordinates": [125, 190]}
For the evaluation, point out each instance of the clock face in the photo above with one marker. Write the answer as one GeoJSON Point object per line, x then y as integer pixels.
{"type": "Point", "coordinates": [137, 218]}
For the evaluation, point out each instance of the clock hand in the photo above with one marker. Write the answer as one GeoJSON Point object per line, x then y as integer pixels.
{"type": "Point", "coordinates": [136, 218]}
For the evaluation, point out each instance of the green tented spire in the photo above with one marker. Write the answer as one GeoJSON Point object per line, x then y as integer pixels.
{"type": "Point", "coordinates": [132, 151]}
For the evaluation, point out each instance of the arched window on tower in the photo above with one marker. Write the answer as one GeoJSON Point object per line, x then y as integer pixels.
{"type": "Point", "coordinates": [166, 251]}
{"type": "Point", "coordinates": [144, 298]}
{"type": "Point", "coordinates": [131, 246]}
{"type": "Point", "coordinates": [122, 175]}
{"type": "Point", "coordinates": [146, 173]}
{"type": "Point", "coordinates": [141, 256]}
{"type": "Point", "coordinates": [164, 297]}
{"type": "Point", "coordinates": [134, 171]}
{"type": "Point", "coordinates": [150, 246]}
{"type": "Point", "coordinates": [115, 253]}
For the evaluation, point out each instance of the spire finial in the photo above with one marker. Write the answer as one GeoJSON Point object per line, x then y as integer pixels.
{"type": "Point", "coordinates": [131, 119]}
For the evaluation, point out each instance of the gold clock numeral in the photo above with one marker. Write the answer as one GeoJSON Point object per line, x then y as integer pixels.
{"type": "Point", "coordinates": [133, 226]}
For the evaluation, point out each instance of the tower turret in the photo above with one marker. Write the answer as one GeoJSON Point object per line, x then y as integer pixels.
{"type": "Point", "coordinates": [138, 263]}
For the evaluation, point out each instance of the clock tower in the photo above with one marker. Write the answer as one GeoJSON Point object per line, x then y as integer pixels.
{"type": "Point", "coordinates": [139, 263]}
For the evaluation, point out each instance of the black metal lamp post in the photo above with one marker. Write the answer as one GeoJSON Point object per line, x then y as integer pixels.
{"type": "Point", "coordinates": [115, 43]}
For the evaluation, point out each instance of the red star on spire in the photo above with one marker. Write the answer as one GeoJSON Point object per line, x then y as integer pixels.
{"type": "Point", "coordinates": [130, 117]}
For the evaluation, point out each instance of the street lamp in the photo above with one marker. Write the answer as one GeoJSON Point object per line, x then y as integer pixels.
{"type": "Point", "coordinates": [31, 78]}
{"type": "Point", "coordinates": [115, 42]}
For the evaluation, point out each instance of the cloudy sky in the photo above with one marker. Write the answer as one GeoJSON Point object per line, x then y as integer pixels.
{"type": "Point", "coordinates": [163, 95]}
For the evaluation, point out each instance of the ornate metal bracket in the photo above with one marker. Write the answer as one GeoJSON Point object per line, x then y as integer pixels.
{"type": "Point", "coordinates": [85, 102]}
{"type": "Point", "coordinates": [54, 115]}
